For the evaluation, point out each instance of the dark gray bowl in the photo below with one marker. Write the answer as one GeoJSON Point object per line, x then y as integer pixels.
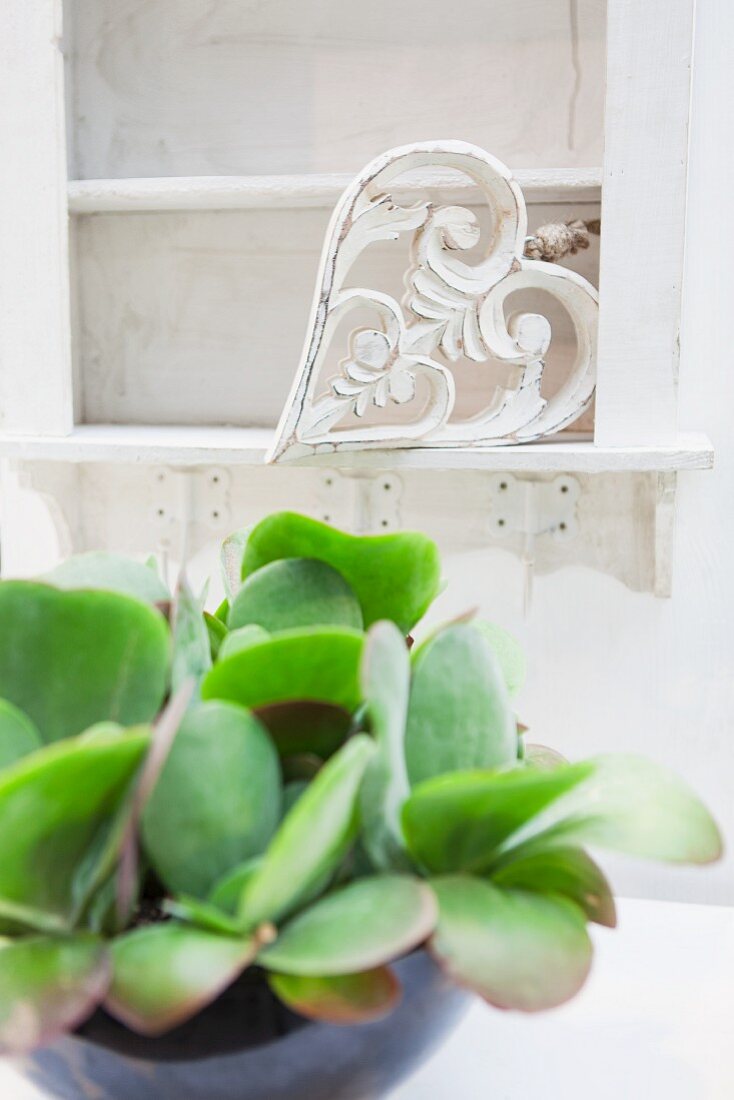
{"type": "Point", "coordinates": [246, 1046]}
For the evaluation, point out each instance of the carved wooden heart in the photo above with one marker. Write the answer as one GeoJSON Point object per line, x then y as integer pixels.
{"type": "Point", "coordinates": [454, 308]}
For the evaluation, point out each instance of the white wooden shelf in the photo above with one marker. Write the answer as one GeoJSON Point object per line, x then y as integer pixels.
{"type": "Point", "coordinates": [170, 193]}
{"type": "Point", "coordinates": [198, 446]}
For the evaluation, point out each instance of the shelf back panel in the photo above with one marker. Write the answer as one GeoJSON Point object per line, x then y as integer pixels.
{"type": "Point", "coordinates": [236, 87]}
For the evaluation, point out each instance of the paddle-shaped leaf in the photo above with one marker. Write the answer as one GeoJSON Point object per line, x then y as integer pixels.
{"type": "Point", "coordinates": [230, 558]}
{"type": "Point", "coordinates": [393, 576]}
{"type": "Point", "coordinates": [18, 735]}
{"type": "Point", "coordinates": [48, 985]}
{"type": "Point", "coordinates": [217, 632]}
{"type": "Point", "coordinates": [113, 572]}
{"type": "Point", "coordinates": [192, 656]}
{"type": "Point", "coordinates": [292, 792]}
{"type": "Point", "coordinates": [292, 593]}
{"type": "Point", "coordinates": [357, 927]}
{"type": "Point", "coordinates": [459, 715]}
{"type": "Point", "coordinates": [235, 640]}
{"type": "Point", "coordinates": [226, 893]}
{"type": "Point", "coordinates": [162, 738]}
{"type": "Point", "coordinates": [385, 685]}
{"type": "Point", "coordinates": [569, 872]}
{"type": "Point", "coordinates": [462, 822]}
{"type": "Point", "coordinates": [509, 653]}
{"type": "Point", "coordinates": [341, 999]}
{"type": "Point", "coordinates": [317, 663]}
{"type": "Point", "coordinates": [633, 805]}
{"type": "Point", "coordinates": [203, 914]}
{"type": "Point", "coordinates": [166, 973]}
{"type": "Point", "coordinates": [515, 949]}
{"type": "Point", "coordinates": [217, 800]}
{"type": "Point", "coordinates": [70, 659]}
{"type": "Point", "coordinates": [304, 726]}
{"type": "Point", "coordinates": [541, 756]}
{"type": "Point", "coordinates": [54, 805]}
{"type": "Point", "coordinates": [312, 840]}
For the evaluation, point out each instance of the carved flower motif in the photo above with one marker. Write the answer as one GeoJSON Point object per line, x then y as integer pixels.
{"type": "Point", "coordinates": [373, 373]}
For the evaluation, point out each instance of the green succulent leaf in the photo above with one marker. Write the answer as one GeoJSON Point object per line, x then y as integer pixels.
{"type": "Point", "coordinates": [54, 805]}
{"type": "Point", "coordinates": [129, 874]}
{"type": "Point", "coordinates": [98, 656]}
{"type": "Point", "coordinates": [385, 677]}
{"type": "Point", "coordinates": [302, 766]}
{"type": "Point", "coordinates": [355, 928]}
{"type": "Point", "coordinates": [509, 653]}
{"type": "Point", "coordinates": [463, 821]}
{"type": "Point", "coordinates": [18, 735]}
{"type": "Point", "coordinates": [517, 950]}
{"type": "Point", "coordinates": [48, 985]}
{"type": "Point", "coordinates": [192, 655]}
{"type": "Point", "coordinates": [315, 663]}
{"type": "Point", "coordinates": [568, 872]}
{"type": "Point", "coordinates": [393, 576]}
{"type": "Point", "coordinates": [341, 999]}
{"type": "Point", "coordinates": [165, 973]}
{"type": "Point", "coordinates": [295, 592]}
{"type": "Point", "coordinates": [112, 572]}
{"type": "Point", "coordinates": [305, 727]}
{"type": "Point", "coordinates": [459, 715]}
{"type": "Point", "coordinates": [235, 640]}
{"type": "Point", "coordinates": [312, 840]}
{"type": "Point", "coordinates": [217, 632]}
{"type": "Point", "coordinates": [629, 804]}
{"type": "Point", "coordinates": [230, 557]}
{"type": "Point", "coordinates": [227, 891]}
{"type": "Point", "coordinates": [292, 792]}
{"type": "Point", "coordinates": [202, 914]}
{"type": "Point", "coordinates": [541, 756]}
{"type": "Point", "coordinates": [217, 800]}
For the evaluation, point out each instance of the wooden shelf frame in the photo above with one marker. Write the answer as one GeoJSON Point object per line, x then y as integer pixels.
{"type": "Point", "coordinates": [201, 446]}
{"type": "Point", "coordinates": [177, 193]}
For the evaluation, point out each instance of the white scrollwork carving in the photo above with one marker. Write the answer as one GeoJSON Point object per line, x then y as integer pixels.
{"type": "Point", "coordinates": [455, 307]}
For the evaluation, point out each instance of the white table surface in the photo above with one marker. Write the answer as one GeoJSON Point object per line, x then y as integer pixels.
{"type": "Point", "coordinates": [655, 1022]}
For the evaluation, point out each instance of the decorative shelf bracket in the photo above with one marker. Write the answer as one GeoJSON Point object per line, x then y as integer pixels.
{"type": "Point", "coordinates": [534, 508]}
{"type": "Point", "coordinates": [367, 503]}
{"type": "Point", "coordinates": [182, 498]}
{"type": "Point", "coordinates": [390, 383]}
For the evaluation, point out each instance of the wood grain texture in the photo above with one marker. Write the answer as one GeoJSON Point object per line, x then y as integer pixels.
{"type": "Point", "coordinates": [166, 193]}
{"type": "Point", "coordinates": [36, 392]}
{"type": "Point", "coordinates": [235, 87]}
{"type": "Point", "coordinates": [641, 266]}
{"type": "Point", "coordinates": [176, 445]}
{"type": "Point", "coordinates": [199, 317]}
{"type": "Point", "coordinates": [393, 384]}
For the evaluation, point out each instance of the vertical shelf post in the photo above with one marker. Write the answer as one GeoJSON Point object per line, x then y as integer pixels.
{"type": "Point", "coordinates": [36, 389]}
{"type": "Point", "coordinates": [649, 51]}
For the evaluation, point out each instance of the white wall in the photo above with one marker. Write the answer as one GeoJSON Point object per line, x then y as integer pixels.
{"type": "Point", "coordinates": [611, 669]}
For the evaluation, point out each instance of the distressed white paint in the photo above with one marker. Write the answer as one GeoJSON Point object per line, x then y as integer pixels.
{"type": "Point", "coordinates": [641, 267]}
{"type": "Point", "coordinates": [615, 517]}
{"type": "Point", "coordinates": [552, 185]}
{"type": "Point", "coordinates": [199, 317]}
{"type": "Point", "coordinates": [456, 306]}
{"type": "Point", "coordinates": [36, 392]}
{"type": "Point", "coordinates": [196, 446]}
{"type": "Point", "coordinates": [233, 87]}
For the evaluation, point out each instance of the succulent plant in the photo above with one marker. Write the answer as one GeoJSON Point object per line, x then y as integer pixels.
{"type": "Point", "coordinates": [286, 784]}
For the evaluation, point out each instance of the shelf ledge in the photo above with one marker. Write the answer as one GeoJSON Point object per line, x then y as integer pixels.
{"type": "Point", "coordinates": [202, 446]}
{"type": "Point", "coordinates": [172, 193]}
